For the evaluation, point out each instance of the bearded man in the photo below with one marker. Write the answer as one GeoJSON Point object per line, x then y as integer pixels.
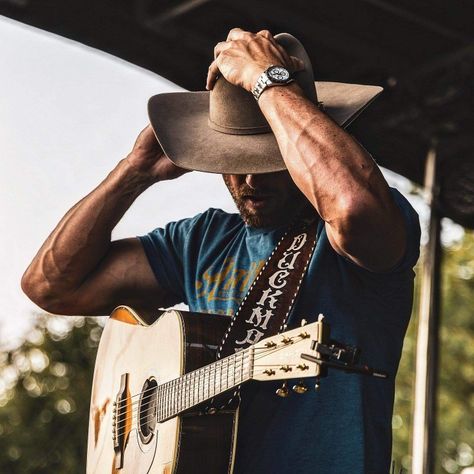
{"type": "Point", "coordinates": [285, 158]}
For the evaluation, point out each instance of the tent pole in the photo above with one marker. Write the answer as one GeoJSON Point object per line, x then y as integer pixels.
{"type": "Point", "coordinates": [424, 418]}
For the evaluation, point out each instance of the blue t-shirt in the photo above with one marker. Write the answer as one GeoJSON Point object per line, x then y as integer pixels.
{"type": "Point", "coordinates": [209, 261]}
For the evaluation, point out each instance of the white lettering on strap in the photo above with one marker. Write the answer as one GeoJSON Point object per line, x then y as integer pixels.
{"type": "Point", "coordinates": [272, 297]}
{"type": "Point", "coordinates": [278, 279]}
{"type": "Point", "coordinates": [253, 336]}
{"type": "Point", "coordinates": [262, 313]}
{"type": "Point", "coordinates": [257, 313]}
{"type": "Point", "coordinates": [283, 264]}
{"type": "Point", "coordinates": [298, 242]}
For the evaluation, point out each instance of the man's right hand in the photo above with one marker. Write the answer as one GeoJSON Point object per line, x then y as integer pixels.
{"type": "Point", "coordinates": [149, 158]}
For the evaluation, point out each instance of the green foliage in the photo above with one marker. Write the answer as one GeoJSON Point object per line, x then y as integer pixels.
{"type": "Point", "coordinates": [44, 394]}
{"type": "Point", "coordinates": [455, 418]}
{"type": "Point", "coordinates": [455, 440]}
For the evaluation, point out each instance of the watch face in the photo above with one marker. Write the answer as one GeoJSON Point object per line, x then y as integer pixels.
{"type": "Point", "coordinates": [278, 74]}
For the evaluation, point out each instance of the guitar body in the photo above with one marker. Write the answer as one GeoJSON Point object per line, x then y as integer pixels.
{"type": "Point", "coordinates": [132, 359]}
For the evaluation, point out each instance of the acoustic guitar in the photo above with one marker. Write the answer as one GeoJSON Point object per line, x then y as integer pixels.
{"type": "Point", "coordinates": [155, 405]}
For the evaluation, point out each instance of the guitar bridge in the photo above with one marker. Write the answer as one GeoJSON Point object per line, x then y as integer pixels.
{"type": "Point", "coordinates": [121, 421]}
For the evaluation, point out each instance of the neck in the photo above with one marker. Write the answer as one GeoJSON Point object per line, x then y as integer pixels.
{"type": "Point", "coordinates": [284, 219]}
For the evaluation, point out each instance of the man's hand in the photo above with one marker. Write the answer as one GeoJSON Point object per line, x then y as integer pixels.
{"type": "Point", "coordinates": [148, 158]}
{"type": "Point", "coordinates": [244, 56]}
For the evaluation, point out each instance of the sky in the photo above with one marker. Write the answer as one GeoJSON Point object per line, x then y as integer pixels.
{"type": "Point", "coordinates": [68, 114]}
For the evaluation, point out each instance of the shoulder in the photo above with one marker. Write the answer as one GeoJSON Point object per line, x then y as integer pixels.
{"type": "Point", "coordinates": [211, 220]}
{"type": "Point", "coordinates": [208, 222]}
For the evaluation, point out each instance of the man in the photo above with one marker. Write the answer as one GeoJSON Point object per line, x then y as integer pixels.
{"type": "Point", "coordinates": [360, 275]}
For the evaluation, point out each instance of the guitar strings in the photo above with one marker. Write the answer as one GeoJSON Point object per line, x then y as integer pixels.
{"type": "Point", "coordinates": [245, 352]}
{"type": "Point", "coordinates": [164, 408]}
{"type": "Point", "coordinates": [194, 373]}
{"type": "Point", "coordinates": [147, 417]}
{"type": "Point", "coordinates": [168, 385]}
{"type": "Point", "coordinates": [125, 410]}
{"type": "Point", "coordinates": [127, 414]}
{"type": "Point", "coordinates": [242, 365]}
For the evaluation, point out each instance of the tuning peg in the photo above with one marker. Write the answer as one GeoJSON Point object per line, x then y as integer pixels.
{"type": "Point", "coordinates": [303, 322]}
{"type": "Point", "coordinates": [316, 384]}
{"type": "Point", "coordinates": [300, 387]}
{"type": "Point", "coordinates": [283, 391]}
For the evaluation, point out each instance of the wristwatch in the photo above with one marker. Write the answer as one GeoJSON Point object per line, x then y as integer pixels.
{"type": "Point", "coordinates": [272, 76]}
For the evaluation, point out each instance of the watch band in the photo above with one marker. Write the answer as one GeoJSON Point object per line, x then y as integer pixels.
{"type": "Point", "coordinates": [264, 81]}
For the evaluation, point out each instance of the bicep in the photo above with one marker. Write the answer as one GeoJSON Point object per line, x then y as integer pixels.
{"type": "Point", "coordinates": [124, 276]}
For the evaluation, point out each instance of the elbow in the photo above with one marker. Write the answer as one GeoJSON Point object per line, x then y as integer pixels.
{"type": "Point", "coordinates": [38, 289]}
{"type": "Point", "coordinates": [351, 219]}
{"type": "Point", "coordinates": [347, 211]}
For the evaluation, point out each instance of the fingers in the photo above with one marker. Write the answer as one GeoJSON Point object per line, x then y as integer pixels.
{"type": "Point", "coordinates": [213, 71]}
{"type": "Point", "coordinates": [237, 33]}
{"type": "Point", "coordinates": [246, 48]}
{"type": "Point", "coordinates": [266, 34]}
{"type": "Point", "coordinates": [212, 75]}
{"type": "Point", "coordinates": [219, 47]}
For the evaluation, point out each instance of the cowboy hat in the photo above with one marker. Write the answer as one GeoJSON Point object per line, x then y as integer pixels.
{"type": "Point", "coordinates": [224, 131]}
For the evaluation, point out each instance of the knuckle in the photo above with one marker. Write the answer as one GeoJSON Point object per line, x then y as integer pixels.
{"type": "Point", "coordinates": [265, 33]}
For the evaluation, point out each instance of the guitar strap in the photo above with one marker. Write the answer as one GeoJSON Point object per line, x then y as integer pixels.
{"type": "Point", "coordinates": [266, 306]}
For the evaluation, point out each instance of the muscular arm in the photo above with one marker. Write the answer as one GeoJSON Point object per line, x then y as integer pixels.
{"type": "Point", "coordinates": [332, 170]}
{"type": "Point", "coordinates": [339, 178]}
{"type": "Point", "coordinates": [78, 270]}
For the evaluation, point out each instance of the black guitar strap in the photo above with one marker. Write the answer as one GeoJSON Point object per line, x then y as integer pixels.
{"type": "Point", "coordinates": [265, 308]}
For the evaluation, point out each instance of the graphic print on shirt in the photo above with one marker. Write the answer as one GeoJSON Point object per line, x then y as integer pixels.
{"type": "Point", "coordinates": [221, 288]}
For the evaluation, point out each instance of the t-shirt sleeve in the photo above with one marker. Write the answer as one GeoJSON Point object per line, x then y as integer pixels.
{"type": "Point", "coordinates": [165, 248]}
{"type": "Point", "coordinates": [413, 233]}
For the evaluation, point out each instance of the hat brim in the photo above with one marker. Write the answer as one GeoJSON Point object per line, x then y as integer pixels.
{"type": "Point", "coordinates": [180, 123]}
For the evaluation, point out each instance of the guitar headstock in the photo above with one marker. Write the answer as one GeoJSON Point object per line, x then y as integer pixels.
{"type": "Point", "coordinates": [280, 357]}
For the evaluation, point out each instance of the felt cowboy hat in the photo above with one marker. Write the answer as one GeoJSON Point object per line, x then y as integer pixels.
{"type": "Point", "coordinates": [224, 131]}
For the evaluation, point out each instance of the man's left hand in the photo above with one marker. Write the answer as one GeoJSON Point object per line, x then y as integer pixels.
{"type": "Point", "coordinates": [244, 56]}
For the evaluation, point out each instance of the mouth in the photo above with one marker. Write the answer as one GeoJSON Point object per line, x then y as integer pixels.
{"type": "Point", "coordinates": [257, 201]}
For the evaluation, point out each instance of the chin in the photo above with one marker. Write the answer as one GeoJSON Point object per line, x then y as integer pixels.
{"type": "Point", "coordinates": [261, 221]}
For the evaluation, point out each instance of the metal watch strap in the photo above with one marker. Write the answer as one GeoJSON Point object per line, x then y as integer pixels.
{"type": "Point", "coordinates": [263, 82]}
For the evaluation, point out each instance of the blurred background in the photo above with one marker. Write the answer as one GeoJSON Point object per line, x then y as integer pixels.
{"type": "Point", "coordinates": [74, 83]}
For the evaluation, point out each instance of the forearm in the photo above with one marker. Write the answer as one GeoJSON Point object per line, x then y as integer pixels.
{"type": "Point", "coordinates": [339, 178]}
{"type": "Point", "coordinates": [83, 237]}
{"type": "Point", "coordinates": [334, 172]}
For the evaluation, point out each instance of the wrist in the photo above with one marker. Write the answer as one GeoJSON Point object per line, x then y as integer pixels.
{"type": "Point", "coordinates": [270, 94]}
{"type": "Point", "coordinates": [273, 76]}
{"type": "Point", "coordinates": [130, 178]}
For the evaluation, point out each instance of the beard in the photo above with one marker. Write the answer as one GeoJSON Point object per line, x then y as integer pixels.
{"type": "Point", "coordinates": [266, 207]}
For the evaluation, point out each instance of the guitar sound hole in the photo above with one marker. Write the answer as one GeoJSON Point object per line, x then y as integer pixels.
{"type": "Point", "coordinates": [147, 410]}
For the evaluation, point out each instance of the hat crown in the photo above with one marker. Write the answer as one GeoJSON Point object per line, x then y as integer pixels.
{"type": "Point", "coordinates": [234, 111]}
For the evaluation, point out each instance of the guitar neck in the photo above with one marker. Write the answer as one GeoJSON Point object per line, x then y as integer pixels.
{"type": "Point", "coordinates": [198, 386]}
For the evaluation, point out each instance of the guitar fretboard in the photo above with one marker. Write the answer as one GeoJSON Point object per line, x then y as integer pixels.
{"type": "Point", "coordinates": [196, 387]}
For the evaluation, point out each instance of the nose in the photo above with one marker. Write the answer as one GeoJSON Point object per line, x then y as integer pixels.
{"type": "Point", "coordinates": [252, 180]}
